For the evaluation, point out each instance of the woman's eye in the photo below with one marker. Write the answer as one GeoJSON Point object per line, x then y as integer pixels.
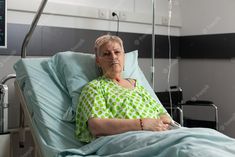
{"type": "Point", "coordinates": [105, 54]}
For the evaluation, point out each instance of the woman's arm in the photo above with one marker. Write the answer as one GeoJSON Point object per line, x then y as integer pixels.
{"type": "Point", "coordinates": [102, 127]}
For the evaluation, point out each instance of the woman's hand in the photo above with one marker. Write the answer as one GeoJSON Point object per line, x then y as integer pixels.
{"type": "Point", "coordinates": [152, 124]}
{"type": "Point", "coordinates": [166, 119]}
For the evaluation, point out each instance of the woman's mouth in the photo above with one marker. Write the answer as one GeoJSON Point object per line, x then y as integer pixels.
{"type": "Point", "coordinates": [114, 62]}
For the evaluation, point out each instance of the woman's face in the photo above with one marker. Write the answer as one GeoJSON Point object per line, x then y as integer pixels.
{"type": "Point", "coordinates": [111, 59]}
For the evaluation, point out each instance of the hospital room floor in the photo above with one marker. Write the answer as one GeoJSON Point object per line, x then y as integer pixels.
{"type": "Point", "coordinates": [27, 150]}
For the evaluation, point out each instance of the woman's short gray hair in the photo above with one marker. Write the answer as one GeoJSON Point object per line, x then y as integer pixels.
{"type": "Point", "coordinates": [104, 39]}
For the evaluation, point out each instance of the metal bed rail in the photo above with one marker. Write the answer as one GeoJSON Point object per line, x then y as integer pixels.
{"type": "Point", "coordinates": [32, 28]}
{"type": "Point", "coordinates": [23, 109]}
{"type": "Point", "coordinates": [37, 149]}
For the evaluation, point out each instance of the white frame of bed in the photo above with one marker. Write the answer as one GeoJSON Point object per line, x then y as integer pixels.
{"type": "Point", "coordinates": [28, 116]}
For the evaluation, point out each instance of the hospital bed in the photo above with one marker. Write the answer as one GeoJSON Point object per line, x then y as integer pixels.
{"type": "Point", "coordinates": [48, 89]}
{"type": "Point", "coordinates": [45, 98]}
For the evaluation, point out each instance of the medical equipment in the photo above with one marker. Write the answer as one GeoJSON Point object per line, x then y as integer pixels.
{"type": "Point", "coordinates": [3, 108]}
{"type": "Point", "coordinates": [169, 46]}
{"type": "Point", "coordinates": [153, 44]}
{"type": "Point", "coordinates": [3, 24]}
{"type": "Point", "coordinates": [4, 103]}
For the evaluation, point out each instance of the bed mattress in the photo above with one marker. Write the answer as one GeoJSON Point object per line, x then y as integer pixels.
{"type": "Point", "coordinates": [46, 106]}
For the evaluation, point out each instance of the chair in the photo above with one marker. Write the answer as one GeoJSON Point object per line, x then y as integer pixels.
{"type": "Point", "coordinates": [178, 111]}
{"type": "Point", "coordinates": [189, 122]}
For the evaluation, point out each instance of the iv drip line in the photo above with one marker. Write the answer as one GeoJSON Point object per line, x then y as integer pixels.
{"type": "Point", "coordinates": [153, 44]}
{"type": "Point", "coordinates": [169, 46]}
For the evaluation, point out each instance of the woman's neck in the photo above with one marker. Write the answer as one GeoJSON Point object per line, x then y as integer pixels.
{"type": "Point", "coordinates": [115, 77]}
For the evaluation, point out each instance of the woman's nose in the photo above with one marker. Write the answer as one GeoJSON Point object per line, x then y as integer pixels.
{"type": "Point", "coordinates": [113, 55]}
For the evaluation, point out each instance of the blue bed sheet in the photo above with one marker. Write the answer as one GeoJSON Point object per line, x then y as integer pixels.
{"type": "Point", "coordinates": [47, 103]}
{"type": "Point", "coordinates": [184, 142]}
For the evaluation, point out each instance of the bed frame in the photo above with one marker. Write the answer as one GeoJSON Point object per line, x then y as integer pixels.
{"type": "Point", "coordinates": [26, 114]}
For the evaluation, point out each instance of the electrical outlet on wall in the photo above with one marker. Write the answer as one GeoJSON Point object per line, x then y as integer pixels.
{"type": "Point", "coordinates": [102, 13]}
{"type": "Point", "coordinates": [122, 15]}
{"type": "Point", "coordinates": [111, 17]}
{"type": "Point", "coordinates": [164, 20]}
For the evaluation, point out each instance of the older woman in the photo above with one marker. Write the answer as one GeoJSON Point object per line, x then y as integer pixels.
{"type": "Point", "coordinates": [112, 104]}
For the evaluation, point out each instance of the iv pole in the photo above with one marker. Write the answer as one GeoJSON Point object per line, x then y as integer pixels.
{"type": "Point", "coordinates": [153, 44]}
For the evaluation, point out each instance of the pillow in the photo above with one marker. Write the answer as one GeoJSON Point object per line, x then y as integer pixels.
{"type": "Point", "coordinates": [73, 70]}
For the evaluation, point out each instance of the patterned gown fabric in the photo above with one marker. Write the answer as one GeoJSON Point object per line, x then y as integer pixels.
{"type": "Point", "coordinates": [103, 98]}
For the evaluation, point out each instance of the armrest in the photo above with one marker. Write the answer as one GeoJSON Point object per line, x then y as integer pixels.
{"type": "Point", "coordinates": [199, 103]}
{"type": "Point", "coordinates": [175, 108]}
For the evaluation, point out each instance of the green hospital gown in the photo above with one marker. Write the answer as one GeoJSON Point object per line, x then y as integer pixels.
{"type": "Point", "coordinates": [103, 98]}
